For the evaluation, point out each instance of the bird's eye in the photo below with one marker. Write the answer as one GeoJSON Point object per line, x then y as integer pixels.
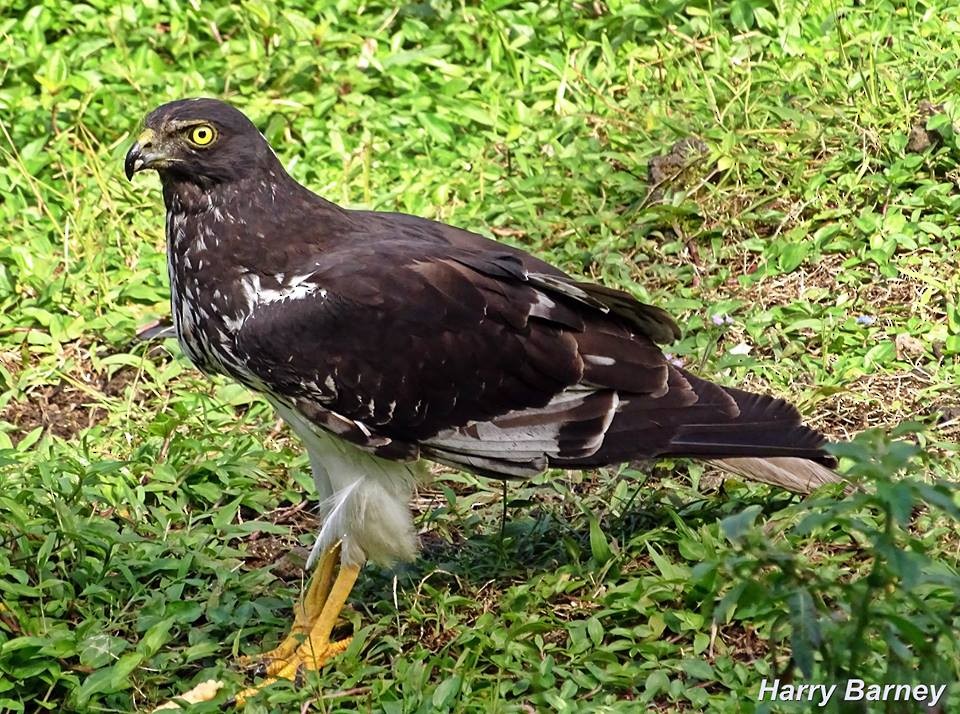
{"type": "Point", "coordinates": [203, 135]}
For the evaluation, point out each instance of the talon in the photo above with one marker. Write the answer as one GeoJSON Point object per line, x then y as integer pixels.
{"type": "Point", "coordinates": [308, 646]}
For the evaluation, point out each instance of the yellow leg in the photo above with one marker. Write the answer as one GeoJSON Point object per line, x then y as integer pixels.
{"type": "Point", "coordinates": [316, 650]}
{"type": "Point", "coordinates": [306, 613]}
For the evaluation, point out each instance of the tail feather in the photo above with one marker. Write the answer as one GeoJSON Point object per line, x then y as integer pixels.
{"type": "Point", "coordinates": [760, 437]}
{"type": "Point", "coordinates": [749, 439]}
{"type": "Point", "coordinates": [792, 474]}
{"type": "Point", "coordinates": [764, 427]}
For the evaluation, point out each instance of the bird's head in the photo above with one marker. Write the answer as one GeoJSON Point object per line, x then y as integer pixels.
{"type": "Point", "coordinates": [203, 141]}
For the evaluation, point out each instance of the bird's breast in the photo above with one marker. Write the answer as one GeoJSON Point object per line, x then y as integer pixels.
{"type": "Point", "coordinates": [205, 293]}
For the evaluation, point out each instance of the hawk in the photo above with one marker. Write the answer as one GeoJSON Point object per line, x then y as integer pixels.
{"type": "Point", "coordinates": [384, 338]}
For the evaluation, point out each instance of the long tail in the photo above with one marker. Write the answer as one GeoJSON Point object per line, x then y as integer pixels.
{"type": "Point", "coordinates": [756, 436]}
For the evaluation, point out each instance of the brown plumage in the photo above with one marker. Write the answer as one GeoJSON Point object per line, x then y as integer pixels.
{"type": "Point", "coordinates": [381, 338]}
{"type": "Point", "coordinates": [408, 338]}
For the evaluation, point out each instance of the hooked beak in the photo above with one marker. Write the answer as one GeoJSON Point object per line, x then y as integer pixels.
{"type": "Point", "coordinates": [142, 154]}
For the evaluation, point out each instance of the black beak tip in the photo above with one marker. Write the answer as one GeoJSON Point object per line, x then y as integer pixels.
{"type": "Point", "coordinates": [133, 162]}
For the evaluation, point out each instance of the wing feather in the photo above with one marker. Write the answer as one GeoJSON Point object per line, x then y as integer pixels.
{"type": "Point", "coordinates": [477, 355]}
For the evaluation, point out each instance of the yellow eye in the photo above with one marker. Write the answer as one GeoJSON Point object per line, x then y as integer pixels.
{"type": "Point", "coordinates": [203, 135]}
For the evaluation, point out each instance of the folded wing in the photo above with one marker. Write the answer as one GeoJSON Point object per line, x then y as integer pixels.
{"type": "Point", "coordinates": [478, 358]}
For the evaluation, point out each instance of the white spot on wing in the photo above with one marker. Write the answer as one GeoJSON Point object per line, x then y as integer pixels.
{"type": "Point", "coordinates": [544, 301]}
{"type": "Point", "coordinates": [599, 360]}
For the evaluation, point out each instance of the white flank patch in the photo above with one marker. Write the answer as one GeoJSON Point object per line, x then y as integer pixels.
{"type": "Point", "coordinates": [365, 498]}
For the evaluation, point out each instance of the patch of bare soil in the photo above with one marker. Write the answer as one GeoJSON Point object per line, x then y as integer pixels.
{"type": "Point", "coordinates": [921, 138]}
{"type": "Point", "coordinates": [823, 275]}
{"type": "Point", "coordinates": [675, 168]}
{"type": "Point", "coordinates": [72, 405]}
{"type": "Point", "coordinates": [282, 553]}
{"type": "Point", "coordinates": [881, 400]}
{"type": "Point", "coordinates": [743, 643]}
{"type": "Point", "coordinates": [436, 639]}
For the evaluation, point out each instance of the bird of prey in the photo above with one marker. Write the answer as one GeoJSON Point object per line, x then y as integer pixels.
{"type": "Point", "coordinates": [383, 339]}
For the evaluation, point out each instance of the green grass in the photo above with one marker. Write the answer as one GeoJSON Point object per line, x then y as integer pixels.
{"type": "Point", "coordinates": [146, 512]}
